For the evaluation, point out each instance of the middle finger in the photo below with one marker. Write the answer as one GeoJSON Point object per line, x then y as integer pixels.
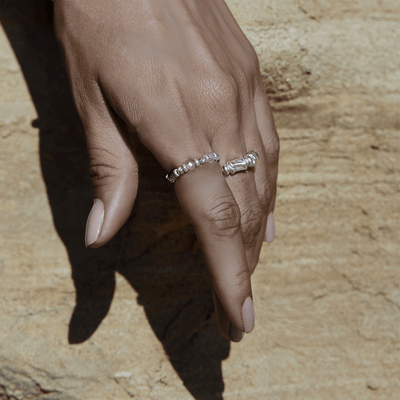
{"type": "Point", "coordinates": [243, 187]}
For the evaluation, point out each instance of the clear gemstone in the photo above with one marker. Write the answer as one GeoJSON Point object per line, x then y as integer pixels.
{"type": "Point", "coordinates": [196, 162]}
{"type": "Point", "coordinates": [211, 157]}
{"type": "Point", "coordinates": [191, 165]}
{"type": "Point", "coordinates": [185, 168]}
{"type": "Point", "coordinates": [180, 171]}
{"type": "Point", "coordinates": [203, 160]}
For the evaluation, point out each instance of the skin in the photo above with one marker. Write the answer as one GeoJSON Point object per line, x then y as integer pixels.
{"type": "Point", "coordinates": [183, 74]}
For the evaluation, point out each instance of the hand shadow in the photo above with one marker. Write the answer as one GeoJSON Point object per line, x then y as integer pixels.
{"type": "Point", "coordinates": [156, 250]}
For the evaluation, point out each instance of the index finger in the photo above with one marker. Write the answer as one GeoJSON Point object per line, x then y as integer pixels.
{"type": "Point", "coordinates": [211, 207]}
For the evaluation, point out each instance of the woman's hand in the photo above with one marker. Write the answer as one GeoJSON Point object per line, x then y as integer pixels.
{"type": "Point", "coordinates": [182, 73]}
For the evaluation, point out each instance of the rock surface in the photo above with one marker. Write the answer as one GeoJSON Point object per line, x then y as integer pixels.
{"type": "Point", "coordinates": [135, 319]}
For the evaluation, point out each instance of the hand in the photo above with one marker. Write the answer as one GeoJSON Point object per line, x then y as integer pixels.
{"type": "Point", "coordinates": [182, 73]}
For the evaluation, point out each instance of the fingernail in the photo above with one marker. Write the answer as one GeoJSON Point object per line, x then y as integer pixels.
{"type": "Point", "coordinates": [94, 222]}
{"type": "Point", "coordinates": [235, 334]}
{"type": "Point", "coordinates": [249, 315]}
{"type": "Point", "coordinates": [270, 232]}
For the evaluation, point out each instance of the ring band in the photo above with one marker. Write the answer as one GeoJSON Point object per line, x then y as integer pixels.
{"type": "Point", "coordinates": [190, 165]}
{"type": "Point", "coordinates": [241, 164]}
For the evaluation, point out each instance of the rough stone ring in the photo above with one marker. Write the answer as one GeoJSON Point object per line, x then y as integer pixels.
{"type": "Point", "coordinates": [190, 165]}
{"type": "Point", "coordinates": [241, 164]}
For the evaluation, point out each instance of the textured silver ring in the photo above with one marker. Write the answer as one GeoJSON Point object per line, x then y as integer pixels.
{"type": "Point", "coordinates": [190, 165]}
{"type": "Point", "coordinates": [241, 164]}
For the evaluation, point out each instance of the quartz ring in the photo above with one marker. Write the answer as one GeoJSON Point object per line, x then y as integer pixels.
{"type": "Point", "coordinates": [241, 164]}
{"type": "Point", "coordinates": [190, 165]}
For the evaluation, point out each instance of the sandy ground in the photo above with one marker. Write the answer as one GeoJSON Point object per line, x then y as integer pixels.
{"type": "Point", "coordinates": [135, 319]}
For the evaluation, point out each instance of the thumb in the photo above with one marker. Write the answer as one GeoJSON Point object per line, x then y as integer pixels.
{"type": "Point", "coordinates": [114, 175]}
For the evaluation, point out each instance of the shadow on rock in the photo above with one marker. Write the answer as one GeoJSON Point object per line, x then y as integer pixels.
{"type": "Point", "coordinates": [156, 250]}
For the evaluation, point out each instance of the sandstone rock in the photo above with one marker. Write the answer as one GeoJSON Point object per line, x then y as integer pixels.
{"type": "Point", "coordinates": [135, 319]}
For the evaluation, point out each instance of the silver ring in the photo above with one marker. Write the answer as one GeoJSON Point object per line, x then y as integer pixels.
{"type": "Point", "coordinates": [190, 165]}
{"type": "Point", "coordinates": [241, 164]}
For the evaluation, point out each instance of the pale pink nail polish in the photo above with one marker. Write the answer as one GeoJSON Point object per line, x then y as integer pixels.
{"type": "Point", "coordinates": [249, 315]}
{"type": "Point", "coordinates": [270, 232]}
{"type": "Point", "coordinates": [94, 222]}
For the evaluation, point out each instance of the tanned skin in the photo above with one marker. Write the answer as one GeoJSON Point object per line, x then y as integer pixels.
{"type": "Point", "coordinates": [183, 74]}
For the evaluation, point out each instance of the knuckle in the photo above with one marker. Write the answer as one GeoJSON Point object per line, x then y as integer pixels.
{"type": "Point", "coordinates": [228, 87]}
{"type": "Point", "coordinates": [266, 193]}
{"type": "Point", "coordinates": [251, 225]}
{"type": "Point", "coordinates": [273, 148]}
{"type": "Point", "coordinates": [223, 217]}
{"type": "Point", "coordinates": [222, 89]}
{"type": "Point", "coordinates": [101, 174]}
{"type": "Point", "coordinates": [101, 170]}
{"type": "Point", "coordinates": [242, 277]}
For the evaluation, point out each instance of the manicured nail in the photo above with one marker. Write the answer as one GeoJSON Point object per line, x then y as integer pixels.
{"type": "Point", "coordinates": [234, 334]}
{"type": "Point", "coordinates": [94, 222]}
{"type": "Point", "coordinates": [249, 315]}
{"type": "Point", "coordinates": [270, 232]}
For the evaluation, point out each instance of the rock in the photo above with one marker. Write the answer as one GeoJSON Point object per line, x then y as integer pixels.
{"type": "Point", "coordinates": [135, 319]}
